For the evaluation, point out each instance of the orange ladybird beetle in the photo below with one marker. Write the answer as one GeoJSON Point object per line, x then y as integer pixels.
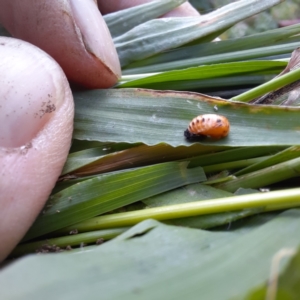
{"type": "Point", "coordinates": [210, 125]}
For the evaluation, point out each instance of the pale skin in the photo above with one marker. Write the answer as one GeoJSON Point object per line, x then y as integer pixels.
{"type": "Point", "coordinates": [36, 104]}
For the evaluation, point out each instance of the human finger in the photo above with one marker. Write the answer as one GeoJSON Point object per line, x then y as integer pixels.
{"type": "Point", "coordinates": [73, 32]}
{"type": "Point", "coordinates": [36, 121]}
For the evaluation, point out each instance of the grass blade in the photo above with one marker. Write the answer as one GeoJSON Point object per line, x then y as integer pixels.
{"type": "Point", "coordinates": [139, 42]}
{"type": "Point", "coordinates": [222, 71]}
{"type": "Point", "coordinates": [264, 177]}
{"type": "Point", "coordinates": [88, 162]}
{"type": "Point", "coordinates": [272, 85]}
{"type": "Point", "coordinates": [196, 192]}
{"type": "Point", "coordinates": [118, 267]}
{"type": "Point", "coordinates": [237, 56]}
{"type": "Point", "coordinates": [121, 266]}
{"type": "Point", "coordinates": [232, 155]}
{"type": "Point", "coordinates": [287, 154]}
{"type": "Point", "coordinates": [154, 117]}
{"type": "Point", "coordinates": [121, 21]}
{"type": "Point", "coordinates": [71, 240]}
{"type": "Point", "coordinates": [103, 193]}
{"type": "Point", "coordinates": [288, 198]}
{"type": "Point", "coordinates": [265, 39]}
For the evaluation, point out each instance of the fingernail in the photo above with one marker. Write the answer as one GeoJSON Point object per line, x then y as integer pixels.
{"type": "Point", "coordinates": [30, 91]}
{"type": "Point", "coordinates": [95, 34]}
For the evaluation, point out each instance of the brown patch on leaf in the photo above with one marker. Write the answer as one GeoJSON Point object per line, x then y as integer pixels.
{"type": "Point", "coordinates": [100, 241]}
{"type": "Point", "coordinates": [49, 249]}
{"type": "Point", "coordinates": [73, 231]}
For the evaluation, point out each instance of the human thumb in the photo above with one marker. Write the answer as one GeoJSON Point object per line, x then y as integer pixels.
{"type": "Point", "coordinates": [36, 121]}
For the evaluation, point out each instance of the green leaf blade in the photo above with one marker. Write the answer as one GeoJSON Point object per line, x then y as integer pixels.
{"type": "Point", "coordinates": [150, 38]}
{"type": "Point", "coordinates": [153, 117]}
{"type": "Point", "coordinates": [104, 193]}
{"type": "Point", "coordinates": [121, 21]}
{"type": "Point", "coordinates": [124, 265]}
